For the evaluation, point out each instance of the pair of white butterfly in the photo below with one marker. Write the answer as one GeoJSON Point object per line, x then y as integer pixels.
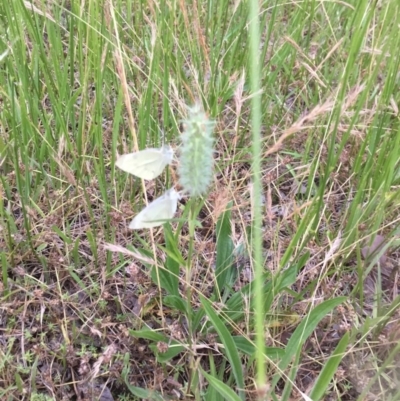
{"type": "Point", "coordinates": [149, 164]}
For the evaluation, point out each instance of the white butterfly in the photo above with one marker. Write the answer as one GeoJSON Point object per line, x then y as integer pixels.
{"type": "Point", "coordinates": [148, 163]}
{"type": "Point", "coordinates": [157, 212]}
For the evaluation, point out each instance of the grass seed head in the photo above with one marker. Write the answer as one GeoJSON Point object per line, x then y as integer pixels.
{"type": "Point", "coordinates": [196, 158]}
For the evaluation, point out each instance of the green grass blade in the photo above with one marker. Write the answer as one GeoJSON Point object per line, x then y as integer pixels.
{"type": "Point", "coordinates": [229, 345]}
{"type": "Point", "coordinates": [247, 347]}
{"type": "Point", "coordinates": [303, 331]}
{"type": "Point", "coordinates": [226, 392]}
{"type": "Point", "coordinates": [211, 393]}
{"type": "Point", "coordinates": [329, 369]}
{"type": "Point", "coordinates": [142, 393]}
{"type": "Point", "coordinates": [225, 247]}
{"type": "Point", "coordinates": [174, 347]}
{"type": "Point", "coordinates": [168, 275]}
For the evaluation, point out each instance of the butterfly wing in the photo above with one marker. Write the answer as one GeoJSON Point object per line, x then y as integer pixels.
{"type": "Point", "coordinates": [157, 212]}
{"type": "Point", "coordinates": [147, 164]}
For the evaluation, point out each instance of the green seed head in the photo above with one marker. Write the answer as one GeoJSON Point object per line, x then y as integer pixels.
{"type": "Point", "coordinates": [196, 156]}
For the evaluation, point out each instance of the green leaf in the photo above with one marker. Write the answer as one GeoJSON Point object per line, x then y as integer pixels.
{"type": "Point", "coordinates": [142, 393]}
{"type": "Point", "coordinates": [229, 345]}
{"type": "Point", "coordinates": [148, 335]}
{"type": "Point", "coordinates": [221, 388]}
{"type": "Point", "coordinates": [174, 347]}
{"type": "Point", "coordinates": [329, 369]}
{"type": "Point", "coordinates": [197, 318]}
{"type": "Point", "coordinates": [62, 235]}
{"type": "Point", "coordinates": [224, 259]}
{"type": "Point", "coordinates": [282, 281]}
{"type": "Point", "coordinates": [19, 382]}
{"type": "Point", "coordinates": [235, 304]}
{"type": "Point", "coordinates": [235, 308]}
{"type": "Point", "coordinates": [302, 332]}
{"type": "Point", "coordinates": [169, 274]}
{"type": "Point", "coordinates": [172, 245]}
{"type": "Point", "coordinates": [212, 394]}
{"type": "Point", "coordinates": [248, 348]}
{"type": "Point", "coordinates": [176, 302]}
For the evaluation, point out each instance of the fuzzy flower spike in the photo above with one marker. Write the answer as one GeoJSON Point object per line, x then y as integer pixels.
{"type": "Point", "coordinates": [196, 159]}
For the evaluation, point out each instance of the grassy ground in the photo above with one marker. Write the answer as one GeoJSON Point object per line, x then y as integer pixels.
{"type": "Point", "coordinates": [92, 310]}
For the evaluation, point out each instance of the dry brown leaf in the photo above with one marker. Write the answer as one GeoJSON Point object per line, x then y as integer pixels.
{"type": "Point", "coordinates": [374, 248]}
{"type": "Point", "coordinates": [121, 249]}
